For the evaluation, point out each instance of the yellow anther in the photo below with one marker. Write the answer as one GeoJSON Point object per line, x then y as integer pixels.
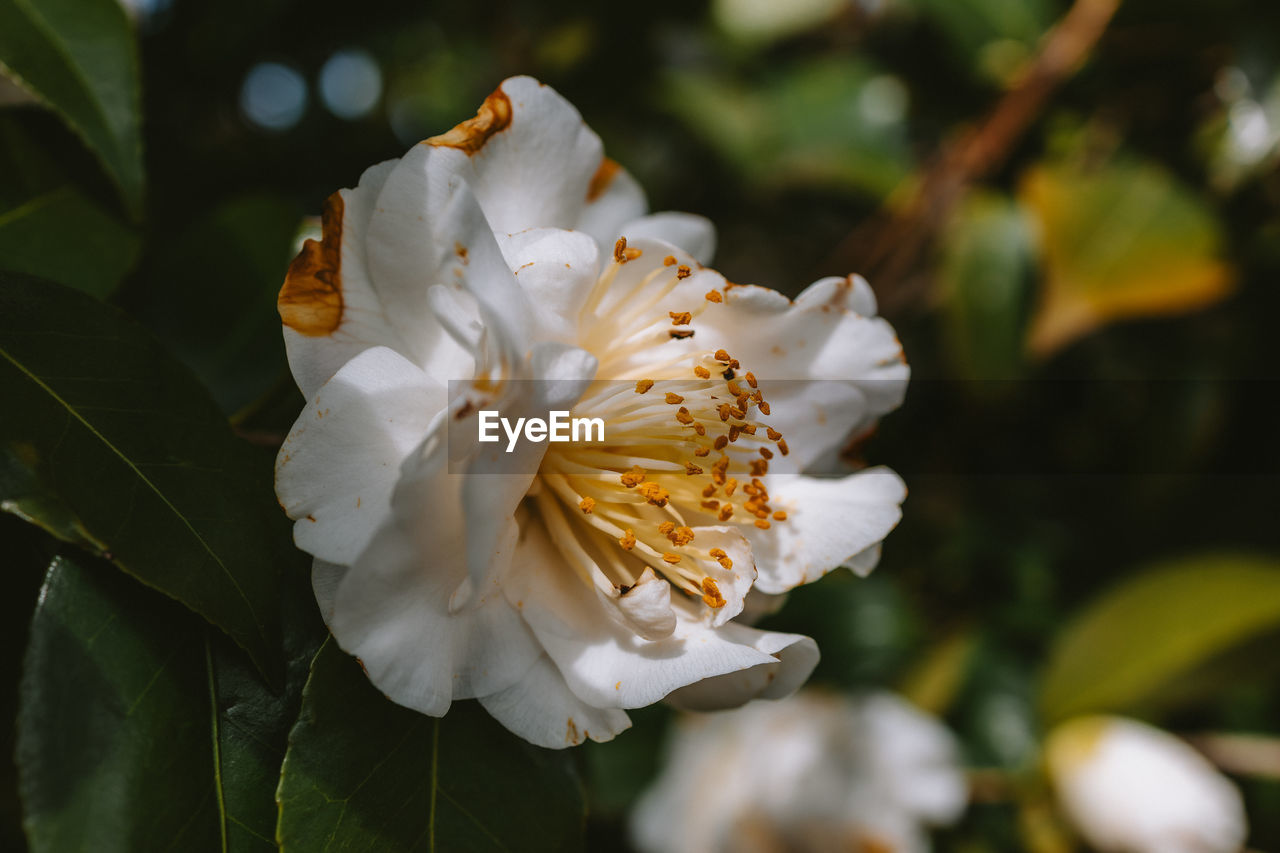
{"type": "Point", "coordinates": [780, 515]}
{"type": "Point", "coordinates": [709, 491]}
{"type": "Point", "coordinates": [680, 318]}
{"type": "Point", "coordinates": [763, 406]}
{"type": "Point", "coordinates": [734, 432]}
{"type": "Point", "coordinates": [713, 505]}
{"type": "Point", "coordinates": [759, 467]}
{"type": "Point", "coordinates": [701, 372]}
{"type": "Point", "coordinates": [674, 399]}
{"type": "Point", "coordinates": [734, 388]}
{"type": "Point", "coordinates": [671, 558]}
{"type": "Point", "coordinates": [643, 385]}
{"type": "Point", "coordinates": [762, 524]}
{"type": "Point", "coordinates": [633, 478]}
{"type": "Point", "coordinates": [702, 451]}
{"type": "Point", "coordinates": [681, 536]}
{"type": "Point", "coordinates": [691, 469]}
{"type": "Point", "coordinates": [711, 593]}
{"type": "Point", "coordinates": [721, 441]}
{"type": "Point", "coordinates": [669, 261]}
{"type": "Point", "coordinates": [782, 446]}
{"type": "Point", "coordinates": [666, 527]}
{"type": "Point", "coordinates": [628, 540]}
{"type": "Point", "coordinates": [725, 410]}
{"type": "Point", "coordinates": [655, 494]}
{"type": "Point", "coordinates": [751, 380]}
{"type": "Point", "coordinates": [766, 453]}
{"type": "Point", "coordinates": [721, 355]}
{"type": "Point", "coordinates": [587, 504]}
{"type": "Point", "coordinates": [683, 416]}
{"type": "Point", "coordinates": [683, 271]}
{"type": "Point", "coordinates": [726, 511]}
{"type": "Point", "coordinates": [730, 485]}
{"type": "Point", "coordinates": [773, 434]}
{"type": "Point", "coordinates": [714, 296]}
{"type": "Point", "coordinates": [620, 250]}
{"type": "Point", "coordinates": [699, 429]}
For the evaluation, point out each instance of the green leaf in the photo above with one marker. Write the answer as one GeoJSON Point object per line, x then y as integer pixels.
{"type": "Point", "coordinates": [62, 236]}
{"type": "Point", "coordinates": [114, 746]}
{"type": "Point", "coordinates": [831, 123]}
{"type": "Point", "coordinates": [988, 263]}
{"type": "Point", "coordinates": [130, 445]}
{"type": "Point", "coordinates": [210, 296]}
{"type": "Point", "coordinates": [1152, 630]}
{"type": "Point", "coordinates": [365, 774]}
{"type": "Point", "coordinates": [1122, 241]}
{"type": "Point", "coordinates": [80, 59]}
{"type": "Point", "coordinates": [142, 729]}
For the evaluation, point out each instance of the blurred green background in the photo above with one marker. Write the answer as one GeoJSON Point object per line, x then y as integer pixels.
{"type": "Point", "coordinates": [1088, 307]}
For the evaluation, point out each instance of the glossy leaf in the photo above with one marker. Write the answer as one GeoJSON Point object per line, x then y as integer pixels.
{"type": "Point", "coordinates": [79, 58]}
{"type": "Point", "coordinates": [1155, 628]}
{"type": "Point", "coordinates": [114, 743]}
{"type": "Point", "coordinates": [365, 774]}
{"type": "Point", "coordinates": [141, 728]}
{"type": "Point", "coordinates": [130, 445]}
{"type": "Point", "coordinates": [62, 236]}
{"type": "Point", "coordinates": [1122, 242]}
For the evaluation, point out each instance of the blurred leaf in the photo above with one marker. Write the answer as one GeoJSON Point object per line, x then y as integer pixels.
{"type": "Point", "coordinates": [933, 684]}
{"type": "Point", "coordinates": [986, 272]}
{"type": "Point", "coordinates": [365, 774]}
{"type": "Point", "coordinates": [64, 237]}
{"type": "Point", "coordinates": [1153, 629]}
{"type": "Point", "coordinates": [210, 296]}
{"type": "Point", "coordinates": [832, 123]}
{"type": "Point", "coordinates": [994, 36]}
{"type": "Point", "coordinates": [1120, 242]}
{"type": "Point", "coordinates": [766, 20]}
{"type": "Point", "coordinates": [131, 446]}
{"type": "Point", "coordinates": [139, 729]}
{"type": "Point", "coordinates": [79, 58]}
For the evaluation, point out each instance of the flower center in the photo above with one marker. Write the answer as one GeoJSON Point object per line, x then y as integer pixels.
{"type": "Point", "coordinates": [684, 444]}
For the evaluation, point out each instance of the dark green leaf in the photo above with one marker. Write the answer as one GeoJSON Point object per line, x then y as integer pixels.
{"type": "Point", "coordinates": [114, 742]}
{"type": "Point", "coordinates": [1152, 630]}
{"type": "Point", "coordinates": [79, 58]}
{"type": "Point", "coordinates": [365, 774]}
{"type": "Point", "coordinates": [141, 728]}
{"type": "Point", "coordinates": [210, 296]}
{"type": "Point", "coordinates": [66, 238]}
{"type": "Point", "coordinates": [131, 446]}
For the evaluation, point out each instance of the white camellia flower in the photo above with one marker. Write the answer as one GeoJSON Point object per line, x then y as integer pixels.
{"type": "Point", "coordinates": [812, 773]}
{"type": "Point", "coordinates": [507, 266]}
{"type": "Point", "coordinates": [1129, 787]}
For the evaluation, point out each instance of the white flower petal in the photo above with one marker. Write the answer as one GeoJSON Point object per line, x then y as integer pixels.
{"type": "Point", "coordinates": [325, 578]}
{"type": "Point", "coordinates": [828, 523]}
{"type": "Point", "coordinates": [392, 607]}
{"type": "Point", "coordinates": [556, 269]}
{"type": "Point", "coordinates": [694, 234]}
{"type": "Point", "coordinates": [528, 156]}
{"type": "Point", "coordinates": [613, 199]}
{"type": "Point", "coordinates": [825, 369]}
{"type": "Point", "coordinates": [428, 229]}
{"type": "Point", "coordinates": [603, 663]}
{"type": "Point", "coordinates": [793, 659]}
{"type": "Point", "coordinates": [328, 304]}
{"type": "Point", "coordinates": [645, 607]}
{"type": "Point", "coordinates": [541, 709]}
{"type": "Point", "coordinates": [336, 470]}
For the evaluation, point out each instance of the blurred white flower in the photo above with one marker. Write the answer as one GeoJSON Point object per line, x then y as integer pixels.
{"type": "Point", "coordinates": [812, 773]}
{"type": "Point", "coordinates": [1129, 787]}
{"type": "Point", "coordinates": [508, 266]}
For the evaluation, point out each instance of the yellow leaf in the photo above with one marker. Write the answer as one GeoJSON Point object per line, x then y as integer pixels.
{"type": "Point", "coordinates": [1121, 242]}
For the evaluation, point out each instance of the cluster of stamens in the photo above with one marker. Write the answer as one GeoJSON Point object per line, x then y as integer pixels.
{"type": "Point", "coordinates": [683, 447]}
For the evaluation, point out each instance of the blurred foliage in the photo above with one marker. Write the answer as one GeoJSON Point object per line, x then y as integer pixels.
{"type": "Point", "coordinates": [1088, 325]}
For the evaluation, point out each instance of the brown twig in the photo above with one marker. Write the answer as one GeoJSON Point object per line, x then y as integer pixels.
{"type": "Point", "coordinates": [890, 247]}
